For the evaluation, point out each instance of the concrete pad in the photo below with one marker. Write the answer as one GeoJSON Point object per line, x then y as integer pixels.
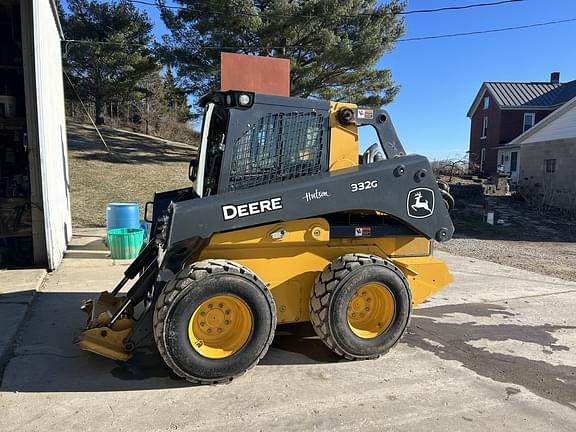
{"type": "Point", "coordinates": [84, 236]}
{"type": "Point", "coordinates": [17, 290]}
{"type": "Point", "coordinates": [485, 281]}
{"type": "Point", "coordinates": [88, 249]}
{"type": "Point", "coordinates": [13, 281]}
{"type": "Point", "coordinates": [494, 351]}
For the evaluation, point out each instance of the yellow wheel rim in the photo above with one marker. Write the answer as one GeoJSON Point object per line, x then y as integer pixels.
{"type": "Point", "coordinates": [220, 326]}
{"type": "Point", "coordinates": [371, 310]}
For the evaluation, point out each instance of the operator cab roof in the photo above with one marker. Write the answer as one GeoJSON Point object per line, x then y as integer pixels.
{"type": "Point", "coordinates": [244, 99]}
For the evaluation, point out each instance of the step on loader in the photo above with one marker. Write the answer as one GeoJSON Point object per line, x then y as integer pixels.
{"type": "Point", "coordinates": [286, 222]}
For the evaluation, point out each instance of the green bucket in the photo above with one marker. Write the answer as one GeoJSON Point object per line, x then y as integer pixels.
{"type": "Point", "coordinates": [125, 243]}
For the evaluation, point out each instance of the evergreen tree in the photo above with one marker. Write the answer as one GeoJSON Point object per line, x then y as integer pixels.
{"type": "Point", "coordinates": [175, 98]}
{"type": "Point", "coordinates": [333, 45]}
{"type": "Point", "coordinates": [107, 72]}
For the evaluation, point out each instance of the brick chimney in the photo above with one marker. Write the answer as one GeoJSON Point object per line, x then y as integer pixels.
{"type": "Point", "coordinates": [555, 78]}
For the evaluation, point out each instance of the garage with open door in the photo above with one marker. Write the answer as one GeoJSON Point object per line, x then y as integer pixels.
{"type": "Point", "coordinates": [35, 225]}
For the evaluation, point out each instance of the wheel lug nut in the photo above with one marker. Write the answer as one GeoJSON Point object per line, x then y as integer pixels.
{"type": "Point", "coordinates": [363, 293]}
{"type": "Point", "coordinates": [227, 322]}
{"type": "Point", "coordinates": [209, 330]}
{"type": "Point", "coordinates": [202, 324]}
{"type": "Point", "coordinates": [367, 309]}
{"type": "Point", "coordinates": [353, 315]}
{"type": "Point", "coordinates": [219, 330]}
{"type": "Point", "coordinates": [221, 305]}
{"type": "Point", "coordinates": [202, 313]}
{"type": "Point", "coordinates": [227, 312]}
{"type": "Point", "coordinates": [210, 306]}
{"type": "Point", "coordinates": [368, 300]}
{"type": "Point", "coordinates": [379, 324]}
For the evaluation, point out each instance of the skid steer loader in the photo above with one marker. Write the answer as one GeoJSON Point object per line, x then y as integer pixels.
{"type": "Point", "coordinates": [286, 222]}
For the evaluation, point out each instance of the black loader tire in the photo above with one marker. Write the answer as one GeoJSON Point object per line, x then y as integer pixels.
{"type": "Point", "coordinates": [443, 186]}
{"type": "Point", "coordinates": [332, 292]}
{"type": "Point", "coordinates": [181, 297]}
{"type": "Point", "coordinates": [449, 200]}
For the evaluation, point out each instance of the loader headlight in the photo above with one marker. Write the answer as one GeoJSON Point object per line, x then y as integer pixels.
{"type": "Point", "coordinates": [346, 116]}
{"type": "Point", "coordinates": [244, 99]}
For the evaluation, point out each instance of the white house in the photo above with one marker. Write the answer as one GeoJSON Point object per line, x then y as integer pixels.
{"type": "Point", "coordinates": [35, 224]}
{"type": "Point", "coordinates": [547, 159]}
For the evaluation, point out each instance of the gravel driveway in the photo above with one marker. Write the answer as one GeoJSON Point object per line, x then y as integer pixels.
{"type": "Point", "coordinates": [548, 258]}
{"type": "Point", "coordinates": [525, 239]}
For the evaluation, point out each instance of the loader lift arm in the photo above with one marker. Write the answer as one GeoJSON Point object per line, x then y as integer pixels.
{"type": "Point", "coordinates": [386, 187]}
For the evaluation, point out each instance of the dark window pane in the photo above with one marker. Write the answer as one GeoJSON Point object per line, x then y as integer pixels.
{"type": "Point", "coordinates": [513, 161]}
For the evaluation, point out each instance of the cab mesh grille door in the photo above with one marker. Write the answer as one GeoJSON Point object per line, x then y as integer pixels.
{"type": "Point", "coordinates": [276, 148]}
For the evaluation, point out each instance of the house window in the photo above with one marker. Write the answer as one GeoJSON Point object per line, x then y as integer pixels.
{"type": "Point", "coordinates": [484, 127]}
{"type": "Point", "coordinates": [529, 120]}
{"type": "Point", "coordinates": [549, 166]}
{"type": "Point", "coordinates": [482, 159]}
{"type": "Point", "coordinates": [486, 102]}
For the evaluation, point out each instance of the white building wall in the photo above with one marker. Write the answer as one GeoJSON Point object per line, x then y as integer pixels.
{"type": "Point", "coordinates": [563, 127]}
{"type": "Point", "coordinates": [556, 189]}
{"type": "Point", "coordinates": [51, 130]}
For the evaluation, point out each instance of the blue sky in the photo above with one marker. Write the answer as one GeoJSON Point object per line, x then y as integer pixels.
{"type": "Point", "coordinates": [440, 78]}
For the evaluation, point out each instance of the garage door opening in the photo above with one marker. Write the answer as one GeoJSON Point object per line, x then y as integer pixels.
{"type": "Point", "coordinates": [16, 246]}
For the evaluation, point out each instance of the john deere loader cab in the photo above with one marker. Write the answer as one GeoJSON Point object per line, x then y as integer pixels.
{"type": "Point", "coordinates": [286, 222]}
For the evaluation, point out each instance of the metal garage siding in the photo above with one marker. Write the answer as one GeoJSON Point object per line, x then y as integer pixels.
{"type": "Point", "coordinates": [51, 130]}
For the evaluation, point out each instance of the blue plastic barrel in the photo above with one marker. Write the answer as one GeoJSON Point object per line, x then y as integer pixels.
{"type": "Point", "coordinates": [122, 215]}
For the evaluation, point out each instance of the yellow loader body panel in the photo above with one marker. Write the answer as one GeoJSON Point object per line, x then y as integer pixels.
{"type": "Point", "coordinates": [288, 257]}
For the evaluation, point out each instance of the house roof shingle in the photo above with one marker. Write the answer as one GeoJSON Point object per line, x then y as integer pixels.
{"type": "Point", "coordinates": [527, 95]}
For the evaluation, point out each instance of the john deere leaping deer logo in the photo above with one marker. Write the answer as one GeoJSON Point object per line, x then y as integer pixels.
{"type": "Point", "coordinates": [420, 203]}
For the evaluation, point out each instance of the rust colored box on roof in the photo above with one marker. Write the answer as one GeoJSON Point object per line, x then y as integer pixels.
{"type": "Point", "coordinates": [267, 75]}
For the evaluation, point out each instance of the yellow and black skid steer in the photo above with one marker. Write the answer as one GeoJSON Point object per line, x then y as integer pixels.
{"type": "Point", "coordinates": [286, 222]}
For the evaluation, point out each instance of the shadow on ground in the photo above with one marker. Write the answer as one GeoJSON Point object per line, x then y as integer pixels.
{"type": "Point", "coordinates": [450, 341]}
{"type": "Point", "coordinates": [46, 360]}
{"type": "Point", "coordinates": [53, 363]}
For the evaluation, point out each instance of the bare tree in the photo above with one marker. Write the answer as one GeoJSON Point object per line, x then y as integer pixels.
{"type": "Point", "coordinates": [457, 166]}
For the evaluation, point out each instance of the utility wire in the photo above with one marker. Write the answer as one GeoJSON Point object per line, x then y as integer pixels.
{"type": "Point", "coordinates": [88, 114]}
{"type": "Point", "coordinates": [93, 42]}
{"type": "Point", "coordinates": [413, 39]}
{"type": "Point", "coordinates": [503, 29]}
{"type": "Point", "coordinates": [454, 8]}
{"type": "Point", "coordinates": [408, 12]}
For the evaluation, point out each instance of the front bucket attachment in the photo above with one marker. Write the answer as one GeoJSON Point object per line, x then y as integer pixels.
{"type": "Point", "coordinates": [98, 336]}
{"type": "Point", "coordinates": [99, 313]}
{"type": "Point", "coordinates": [111, 317]}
